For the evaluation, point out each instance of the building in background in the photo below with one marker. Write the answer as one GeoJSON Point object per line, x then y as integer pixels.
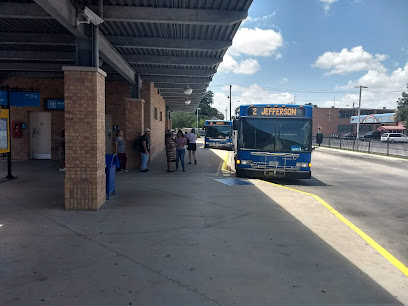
{"type": "Point", "coordinates": [337, 121]}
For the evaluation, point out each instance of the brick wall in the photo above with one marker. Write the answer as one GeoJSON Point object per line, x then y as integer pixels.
{"type": "Point", "coordinates": [116, 94]}
{"type": "Point", "coordinates": [85, 138]}
{"type": "Point", "coordinates": [49, 89]}
{"type": "Point", "coordinates": [154, 100]}
{"type": "Point", "coordinates": [321, 119]}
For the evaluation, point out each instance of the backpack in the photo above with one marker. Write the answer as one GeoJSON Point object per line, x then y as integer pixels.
{"type": "Point", "coordinates": [136, 144]}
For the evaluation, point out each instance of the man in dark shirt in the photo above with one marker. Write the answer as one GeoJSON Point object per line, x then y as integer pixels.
{"type": "Point", "coordinates": [145, 149]}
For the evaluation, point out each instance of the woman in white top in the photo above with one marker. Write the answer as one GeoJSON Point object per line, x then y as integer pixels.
{"type": "Point", "coordinates": [191, 145]}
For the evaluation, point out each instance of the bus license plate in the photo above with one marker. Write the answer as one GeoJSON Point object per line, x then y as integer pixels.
{"type": "Point", "coordinates": [273, 163]}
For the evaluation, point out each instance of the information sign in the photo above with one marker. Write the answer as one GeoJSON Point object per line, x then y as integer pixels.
{"type": "Point", "coordinates": [55, 104]}
{"type": "Point", "coordinates": [3, 97]}
{"type": "Point", "coordinates": [4, 131]}
{"type": "Point", "coordinates": [22, 98]}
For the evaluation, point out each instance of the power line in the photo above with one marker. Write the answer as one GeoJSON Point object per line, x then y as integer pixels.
{"type": "Point", "coordinates": [312, 90]}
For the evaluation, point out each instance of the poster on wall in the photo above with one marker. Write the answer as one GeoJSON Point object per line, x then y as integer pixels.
{"type": "Point", "coordinates": [4, 131]}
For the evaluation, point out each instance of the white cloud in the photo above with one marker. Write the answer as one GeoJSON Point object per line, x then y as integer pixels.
{"type": "Point", "coordinates": [258, 19]}
{"type": "Point", "coordinates": [248, 66]}
{"type": "Point", "coordinates": [327, 4]}
{"type": "Point", "coordinates": [253, 94]}
{"type": "Point", "coordinates": [383, 89]}
{"type": "Point", "coordinates": [346, 61]}
{"type": "Point", "coordinates": [256, 42]}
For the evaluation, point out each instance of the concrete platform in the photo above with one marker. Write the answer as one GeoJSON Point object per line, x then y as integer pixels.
{"type": "Point", "coordinates": [167, 239]}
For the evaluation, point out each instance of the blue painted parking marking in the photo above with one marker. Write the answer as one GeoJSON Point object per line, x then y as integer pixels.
{"type": "Point", "coordinates": [233, 182]}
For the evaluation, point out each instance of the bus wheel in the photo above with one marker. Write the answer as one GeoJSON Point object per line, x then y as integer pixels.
{"type": "Point", "coordinates": [239, 172]}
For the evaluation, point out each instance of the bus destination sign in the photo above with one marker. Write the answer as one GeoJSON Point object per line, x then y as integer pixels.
{"type": "Point", "coordinates": [276, 111]}
{"type": "Point", "coordinates": [218, 123]}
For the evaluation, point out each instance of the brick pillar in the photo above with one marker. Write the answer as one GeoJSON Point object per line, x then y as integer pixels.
{"type": "Point", "coordinates": [85, 179]}
{"type": "Point", "coordinates": [134, 128]}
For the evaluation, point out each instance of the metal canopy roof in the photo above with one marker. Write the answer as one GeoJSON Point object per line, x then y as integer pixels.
{"type": "Point", "coordinates": [173, 43]}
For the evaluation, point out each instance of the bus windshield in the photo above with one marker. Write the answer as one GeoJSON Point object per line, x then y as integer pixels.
{"type": "Point", "coordinates": [276, 135]}
{"type": "Point", "coordinates": [218, 131]}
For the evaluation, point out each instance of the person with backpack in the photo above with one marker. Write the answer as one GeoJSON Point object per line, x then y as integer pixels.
{"type": "Point", "coordinates": [144, 149]}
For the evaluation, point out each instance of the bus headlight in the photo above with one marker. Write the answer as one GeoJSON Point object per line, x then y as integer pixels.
{"type": "Point", "coordinates": [303, 165]}
{"type": "Point", "coordinates": [246, 162]}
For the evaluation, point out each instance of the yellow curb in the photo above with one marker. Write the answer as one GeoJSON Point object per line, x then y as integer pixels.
{"type": "Point", "coordinates": [399, 265]}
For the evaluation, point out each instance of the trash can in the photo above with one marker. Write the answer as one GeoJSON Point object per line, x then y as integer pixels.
{"type": "Point", "coordinates": [111, 162]}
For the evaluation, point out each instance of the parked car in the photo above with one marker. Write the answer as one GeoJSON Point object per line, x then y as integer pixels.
{"type": "Point", "coordinates": [371, 135]}
{"type": "Point", "coordinates": [394, 137]}
{"type": "Point", "coordinates": [349, 136]}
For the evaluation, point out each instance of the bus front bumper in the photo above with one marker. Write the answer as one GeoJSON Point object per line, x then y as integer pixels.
{"type": "Point", "coordinates": [261, 173]}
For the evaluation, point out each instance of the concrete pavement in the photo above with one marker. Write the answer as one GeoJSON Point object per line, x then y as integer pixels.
{"type": "Point", "coordinates": [167, 239]}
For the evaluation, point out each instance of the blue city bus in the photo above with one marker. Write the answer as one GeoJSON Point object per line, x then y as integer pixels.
{"type": "Point", "coordinates": [273, 141]}
{"type": "Point", "coordinates": [218, 134]}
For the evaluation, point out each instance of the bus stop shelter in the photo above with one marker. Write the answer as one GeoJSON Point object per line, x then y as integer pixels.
{"type": "Point", "coordinates": [158, 48]}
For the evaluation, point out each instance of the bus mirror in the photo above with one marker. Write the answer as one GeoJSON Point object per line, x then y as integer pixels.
{"type": "Point", "coordinates": [235, 124]}
{"type": "Point", "coordinates": [319, 138]}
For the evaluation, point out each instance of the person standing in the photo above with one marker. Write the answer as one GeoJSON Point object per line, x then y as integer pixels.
{"type": "Point", "coordinates": [145, 149]}
{"type": "Point", "coordinates": [180, 141]}
{"type": "Point", "coordinates": [120, 150]}
{"type": "Point", "coordinates": [171, 152]}
{"type": "Point", "coordinates": [192, 146]}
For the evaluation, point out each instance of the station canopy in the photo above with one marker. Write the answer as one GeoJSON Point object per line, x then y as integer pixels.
{"type": "Point", "coordinates": [175, 44]}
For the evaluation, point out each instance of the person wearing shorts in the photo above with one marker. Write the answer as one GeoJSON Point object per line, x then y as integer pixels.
{"type": "Point", "coordinates": [192, 145]}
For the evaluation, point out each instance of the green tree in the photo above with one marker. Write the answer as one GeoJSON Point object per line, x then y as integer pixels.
{"type": "Point", "coordinates": [205, 107]}
{"type": "Point", "coordinates": [402, 109]}
{"type": "Point", "coordinates": [183, 119]}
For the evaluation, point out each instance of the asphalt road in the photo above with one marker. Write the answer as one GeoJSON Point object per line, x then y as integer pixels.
{"type": "Point", "coordinates": [368, 190]}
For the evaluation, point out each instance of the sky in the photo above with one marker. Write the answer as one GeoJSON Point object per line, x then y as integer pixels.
{"type": "Point", "coordinates": [317, 51]}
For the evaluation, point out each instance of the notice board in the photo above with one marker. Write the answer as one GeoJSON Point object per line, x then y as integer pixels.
{"type": "Point", "coordinates": [4, 131]}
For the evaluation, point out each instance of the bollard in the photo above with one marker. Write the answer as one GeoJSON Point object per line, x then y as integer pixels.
{"type": "Point", "coordinates": [388, 147]}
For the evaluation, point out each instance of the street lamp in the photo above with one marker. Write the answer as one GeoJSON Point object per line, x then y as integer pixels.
{"type": "Point", "coordinates": [197, 116]}
{"type": "Point", "coordinates": [359, 108]}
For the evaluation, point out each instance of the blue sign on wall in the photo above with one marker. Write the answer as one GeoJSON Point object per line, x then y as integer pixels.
{"type": "Point", "coordinates": [55, 104]}
{"type": "Point", "coordinates": [3, 97]}
{"type": "Point", "coordinates": [20, 98]}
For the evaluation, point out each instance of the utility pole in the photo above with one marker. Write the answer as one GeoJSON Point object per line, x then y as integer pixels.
{"type": "Point", "coordinates": [197, 116]}
{"type": "Point", "coordinates": [358, 122]}
{"type": "Point", "coordinates": [230, 103]}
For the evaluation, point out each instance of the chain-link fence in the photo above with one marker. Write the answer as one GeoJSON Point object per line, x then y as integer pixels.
{"type": "Point", "coordinates": [366, 145]}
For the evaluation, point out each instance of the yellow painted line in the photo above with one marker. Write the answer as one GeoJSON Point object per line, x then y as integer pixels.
{"type": "Point", "coordinates": [225, 163]}
{"type": "Point", "coordinates": [399, 265]}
